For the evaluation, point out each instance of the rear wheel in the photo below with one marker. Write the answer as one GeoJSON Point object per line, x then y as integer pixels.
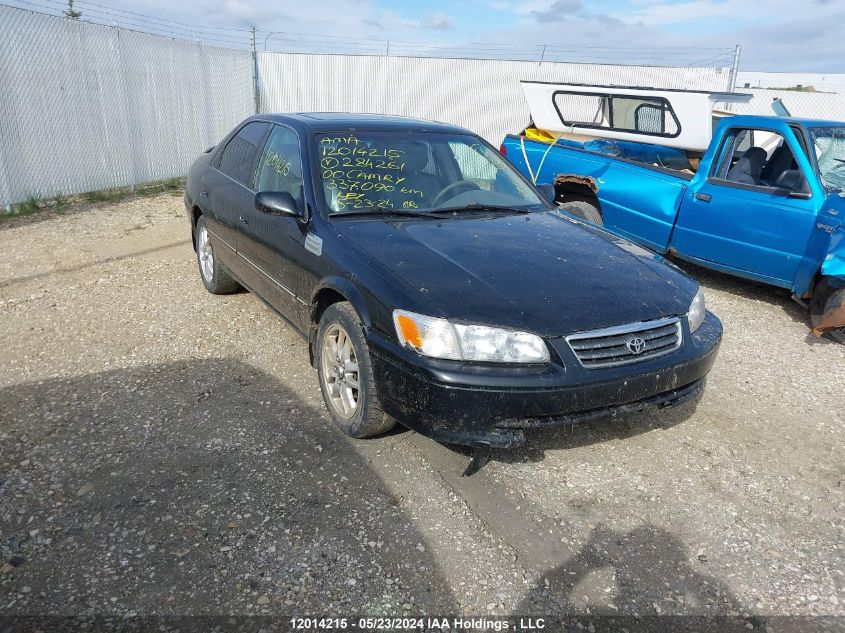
{"type": "Point", "coordinates": [583, 210]}
{"type": "Point", "coordinates": [827, 302]}
{"type": "Point", "coordinates": [346, 374]}
{"type": "Point", "coordinates": [215, 277]}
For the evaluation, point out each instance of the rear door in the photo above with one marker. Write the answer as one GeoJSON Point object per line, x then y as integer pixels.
{"type": "Point", "coordinates": [229, 189]}
{"type": "Point", "coordinates": [745, 218]}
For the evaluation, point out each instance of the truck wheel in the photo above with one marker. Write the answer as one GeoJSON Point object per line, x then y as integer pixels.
{"type": "Point", "coordinates": [215, 277]}
{"type": "Point", "coordinates": [346, 374]}
{"type": "Point", "coordinates": [583, 210]}
{"type": "Point", "coordinates": [827, 299]}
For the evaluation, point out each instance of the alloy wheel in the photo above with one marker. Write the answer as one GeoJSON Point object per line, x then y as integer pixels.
{"type": "Point", "coordinates": [340, 371]}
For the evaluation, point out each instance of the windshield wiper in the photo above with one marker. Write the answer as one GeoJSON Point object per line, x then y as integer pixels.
{"type": "Point", "coordinates": [475, 206]}
{"type": "Point", "coordinates": [406, 213]}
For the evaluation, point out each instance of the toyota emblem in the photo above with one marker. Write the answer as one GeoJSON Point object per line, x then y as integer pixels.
{"type": "Point", "coordinates": [635, 345]}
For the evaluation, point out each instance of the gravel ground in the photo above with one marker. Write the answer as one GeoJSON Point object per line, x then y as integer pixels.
{"type": "Point", "coordinates": [166, 451]}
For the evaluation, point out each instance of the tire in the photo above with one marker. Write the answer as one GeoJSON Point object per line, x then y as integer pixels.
{"type": "Point", "coordinates": [213, 273]}
{"type": "Point", "coordinates": [826, 297]}
{"type": "Point", "coordinates": [583, 210]}
{"type": "Point", "coordinates": [351, 396]}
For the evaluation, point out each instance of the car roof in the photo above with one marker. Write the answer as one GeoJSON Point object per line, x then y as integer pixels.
{"type": "Point", "coordinates": [329, 121]}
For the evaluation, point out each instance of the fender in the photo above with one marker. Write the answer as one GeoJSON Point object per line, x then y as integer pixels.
{"type": "Point", "coordinates": [345, 287]}
{"type": "Point", "coordinates": [834, 261]}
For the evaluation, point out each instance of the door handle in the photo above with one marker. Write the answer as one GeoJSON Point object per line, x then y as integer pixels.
{"type": "Point", "coordinates": [244, 220]}
{"type": "Point", "coordinates": [203, 193]}
{"type": "Point", "coordinates": [704, 197]}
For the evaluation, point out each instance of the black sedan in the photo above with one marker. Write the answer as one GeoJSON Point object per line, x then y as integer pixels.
{"type": "Point", "coordinates": [435, 285]}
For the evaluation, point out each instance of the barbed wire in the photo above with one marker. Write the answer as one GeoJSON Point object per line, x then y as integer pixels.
{"type": "Point", "coordinates": [318, 43]}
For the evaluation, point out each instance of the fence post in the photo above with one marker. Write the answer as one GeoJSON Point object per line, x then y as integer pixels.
{"type": "Point", "coordinates": [542, 55]}
{"type": "Point", "coordinates": [735, 68]}
{"type": "Point", "coordinates": [255, 93]}
{"type": "Point", "coordinates": [387, 53]}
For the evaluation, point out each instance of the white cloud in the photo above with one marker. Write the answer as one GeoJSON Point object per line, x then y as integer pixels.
{"type": "Point", "coordinates": [439, 22]}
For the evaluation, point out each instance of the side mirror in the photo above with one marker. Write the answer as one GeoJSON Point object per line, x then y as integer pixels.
{"type": "Point", "coordinates": [548, 191]}
{"type": "Point", "coordinates": [277, 203]}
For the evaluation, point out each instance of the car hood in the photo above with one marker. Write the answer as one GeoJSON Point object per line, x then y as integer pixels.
{"type": "Point", "coordinates": [540, 272]}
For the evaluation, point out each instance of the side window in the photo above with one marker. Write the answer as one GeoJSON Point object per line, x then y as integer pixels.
{"type": "Point", "coordinates": [582, 110]}
{"type": "Point", "coordinates": [761, 158]}
{"type": "Point", "coordinates": [626, 113]}
{"type": "Point", "coordinates": [280, 167]}
{"type": "Point", "coordinates": [238, 158]}
{"type": "Point", "coordinates": [638, 114]}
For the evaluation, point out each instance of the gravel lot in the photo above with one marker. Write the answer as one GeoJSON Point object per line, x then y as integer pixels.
{"type": "Point", "coordinates": [166, 451]}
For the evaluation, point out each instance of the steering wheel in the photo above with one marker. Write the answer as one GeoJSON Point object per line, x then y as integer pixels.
{"type": "Point", "coordinates": [471, 186]}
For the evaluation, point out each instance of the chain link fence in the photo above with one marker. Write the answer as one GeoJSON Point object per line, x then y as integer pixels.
{"type": "Point", "coordinates": [87, 106]}
{"type": "Point", "coordinates": [810, 105]}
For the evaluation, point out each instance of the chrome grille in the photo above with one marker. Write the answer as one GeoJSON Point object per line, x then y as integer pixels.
{"type": "Point", "coordinates": [621, 345]}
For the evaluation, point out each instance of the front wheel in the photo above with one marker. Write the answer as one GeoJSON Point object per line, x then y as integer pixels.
{"type": "Point", "coordinates": [827, 311]}
{"type": "Point", "coordinates": [346, 374]}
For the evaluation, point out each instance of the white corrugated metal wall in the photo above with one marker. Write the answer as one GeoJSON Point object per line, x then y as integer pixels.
{"type": "Point", "coordinates": [482, 95]}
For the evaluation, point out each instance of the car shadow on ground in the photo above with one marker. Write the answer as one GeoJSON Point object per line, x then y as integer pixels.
{"type": "Point", "coordinates": [595, 431]}
{"type": "Point", "coordinates": [646, 571]}
{"type": "Point", "coordinates": [203, 487]}
{"type": "Point", "coordinates": [756, 291]}
{"type": "Point", "coordinates": [747, 289]}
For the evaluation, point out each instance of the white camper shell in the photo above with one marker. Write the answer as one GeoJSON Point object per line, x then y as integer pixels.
{"type": "Point", "coordinates": [672, 118]}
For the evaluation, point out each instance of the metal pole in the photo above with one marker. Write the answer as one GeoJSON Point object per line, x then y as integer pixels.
{"type": "Point", "coordinates": [542, 55]}
{"type": "Point", "coordinates": [255, 74]}
{"type": "Point", "coordinates": [735, 69]}
{"type": "Point", "coordinates": [387, 53]}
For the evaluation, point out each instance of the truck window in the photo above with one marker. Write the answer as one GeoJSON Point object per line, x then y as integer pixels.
{"type": "Point", "coordinates": [626, 113]}
{"type": "Point", "coordinates": [760, 158]}
{"type": "Point", "coordinates": [582, 110]}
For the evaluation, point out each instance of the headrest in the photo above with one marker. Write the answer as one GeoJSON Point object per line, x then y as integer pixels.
{"type": "Point", "coordinates": [415, 155]}
{"type": "Point", "coordinates": [752, 161]}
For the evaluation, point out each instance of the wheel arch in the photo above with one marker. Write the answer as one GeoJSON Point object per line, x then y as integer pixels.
{"type": "Point", "coordinates": [575, 188]}
{"type": "Point", "coordinates": [196, 212]}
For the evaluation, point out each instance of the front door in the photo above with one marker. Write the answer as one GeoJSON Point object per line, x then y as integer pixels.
{"type": "Point", "coordinates": [754, 212]}
{"type": "Point", "coordinates": [274, 246]}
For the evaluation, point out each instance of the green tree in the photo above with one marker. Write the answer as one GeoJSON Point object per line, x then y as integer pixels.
{"type": "Point", "coordinates": [72, 13]}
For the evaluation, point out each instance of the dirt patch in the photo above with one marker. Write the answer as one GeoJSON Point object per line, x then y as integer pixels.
{"type": "Point", "coordinates": [164, 450]}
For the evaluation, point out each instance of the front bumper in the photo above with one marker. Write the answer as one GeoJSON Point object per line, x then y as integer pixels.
{"type": "Point", "coordinates": [492, 405]}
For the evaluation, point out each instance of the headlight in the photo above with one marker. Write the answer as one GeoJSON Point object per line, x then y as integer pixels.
{"type": "Point", "coordinates": [696, 312]}
{"type": "Point", "coordinates": [439, 338]}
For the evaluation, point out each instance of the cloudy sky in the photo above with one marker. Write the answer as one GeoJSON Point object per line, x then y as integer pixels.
{"type": "Point", "coordinates": [776, 35]}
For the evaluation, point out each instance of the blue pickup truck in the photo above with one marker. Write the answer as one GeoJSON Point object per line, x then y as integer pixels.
{"type": "Point", "coordinates": [765, 201]}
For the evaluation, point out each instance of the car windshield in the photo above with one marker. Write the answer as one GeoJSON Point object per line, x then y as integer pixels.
{"type": "Point", "coordinates": [829, 144]}
{"type": "Point", "coordinates": [416, 171]}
